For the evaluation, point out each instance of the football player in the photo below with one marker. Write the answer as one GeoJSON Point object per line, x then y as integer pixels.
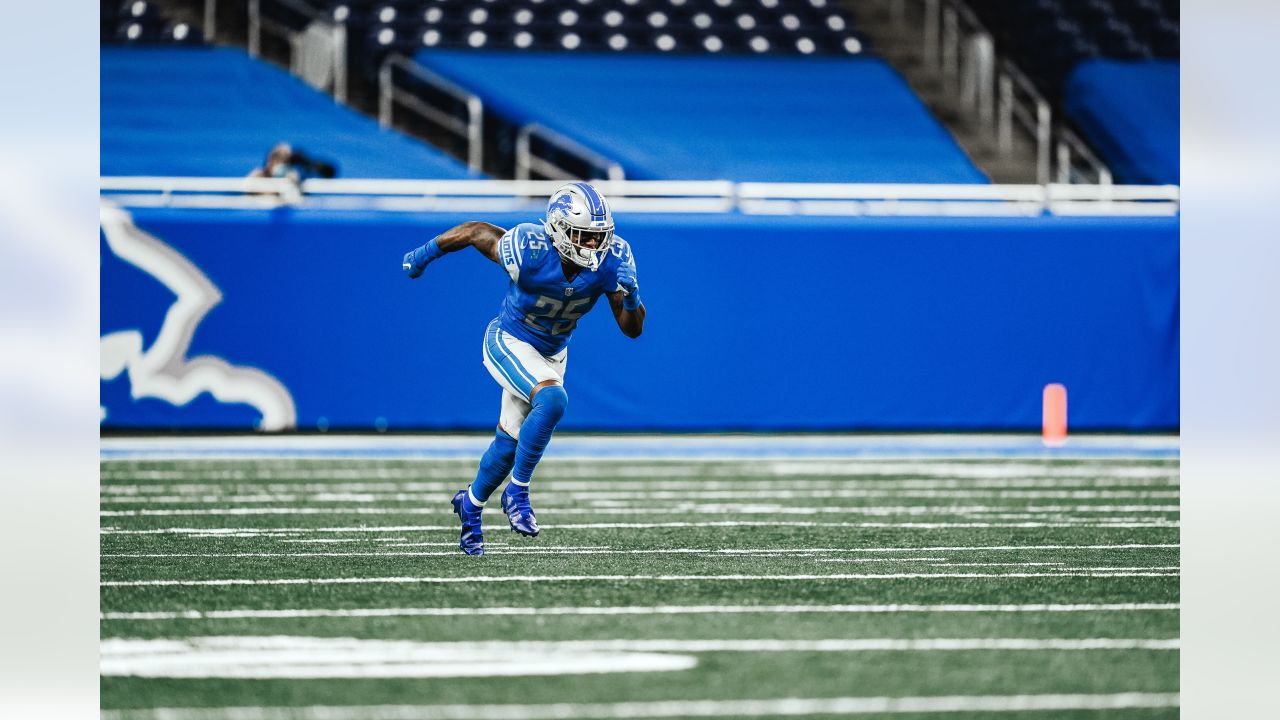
{"type": "Point", "coordinates": [558, 270]}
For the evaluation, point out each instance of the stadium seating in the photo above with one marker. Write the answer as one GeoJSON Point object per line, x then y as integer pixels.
{"type": "Point", "coordinates": [140, 22]}
{"type": "Point", "coordinates": [1047, 38]}
{"type": "Point", "coordinates": [815, 119]}
{"type": "Point", "coordinates": [1129, 112]}
{"type": "Point", "coordinates": [215, 112]}
{"type": "Point", "coordinates": [715, 26]}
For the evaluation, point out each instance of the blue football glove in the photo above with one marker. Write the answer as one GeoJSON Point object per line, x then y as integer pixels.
{"type": "Point", "coordinates": [415, 261]}
{"type": "Point", "coordinates": [629, 285]}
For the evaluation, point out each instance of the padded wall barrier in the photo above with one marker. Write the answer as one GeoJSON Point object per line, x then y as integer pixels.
{"type": "Point", "coordinates": [228, 319]}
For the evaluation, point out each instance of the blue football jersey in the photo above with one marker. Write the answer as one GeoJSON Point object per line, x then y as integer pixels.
{"type": "Point", "coordinates": [542, 307]}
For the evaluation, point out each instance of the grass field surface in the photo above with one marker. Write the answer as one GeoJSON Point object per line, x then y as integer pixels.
{"type": "Point", "coordinates": [674, 579]}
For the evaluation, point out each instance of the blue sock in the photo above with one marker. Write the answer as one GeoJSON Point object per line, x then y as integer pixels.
{"type": "Point", "coordinates": [494, 466]}
{"type": "Point", "coordinates": [548, 407]}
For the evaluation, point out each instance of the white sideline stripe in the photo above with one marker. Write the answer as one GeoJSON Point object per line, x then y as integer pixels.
{"type": "Point", "coordinates": [549, 551]}
{"type": "Point", "coordinates": [630, 610]}
{"type": "Point", "coordinates": [745, 523]}
{"type": "Point", "coordinates": [256, 532]}
{"type": "Point", "coordinates": [671, 709]}
{"type": "Point", "coordinates": [219, 532]}
{"type": "Point", "coordinates": [607, 578]}
{"type": "Point", "coordinates": [689, 509]}
{"type": "Point", "coordinates": [790, 551]}
{"type": "Point", "coordinates": [638, 466]}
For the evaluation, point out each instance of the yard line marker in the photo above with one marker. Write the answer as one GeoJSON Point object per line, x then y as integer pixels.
{"type": "Point", "coordinates": [629, 610]}
{"type": "Point", "coordinates": [607, 578]}
{"type": "Point", "coordinates": [671, 709]}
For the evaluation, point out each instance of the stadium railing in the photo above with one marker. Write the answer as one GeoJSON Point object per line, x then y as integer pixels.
{"type": "Point", "coordinates": [391, 94]}
{"type": "Point", "coordinates": [317, 53]}
{"type": "Point", "coordinates": [653, 196]}
{"type": "Point", "coordinates": [995, 93]}
{"type": "Point", "coordinates": [528, 162]}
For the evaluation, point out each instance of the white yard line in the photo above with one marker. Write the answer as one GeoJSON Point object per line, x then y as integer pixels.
{"type": "Point", "coordinates": [631, 610]}
{"type": "Point", "coordinates": [300, 657]}
{"type": "Point", "coordinates": [610, 578]}
{"type": "Point", "coordinates": [671, 709]}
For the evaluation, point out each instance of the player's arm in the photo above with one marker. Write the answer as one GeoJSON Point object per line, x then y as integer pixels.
{"type": "Point", "coordinates": [625, 301]}
{"type": "Point", "coordinates": [630, 321]}
{"type": "Point", "coordinates": [480, 235]}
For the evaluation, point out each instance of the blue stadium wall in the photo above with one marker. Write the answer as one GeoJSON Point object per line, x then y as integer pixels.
{"type": "Point", "coordinates": [755, 323]}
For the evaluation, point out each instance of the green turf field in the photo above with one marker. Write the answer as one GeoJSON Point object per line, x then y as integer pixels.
{"type": "Point", "coordinates": [283, 588]}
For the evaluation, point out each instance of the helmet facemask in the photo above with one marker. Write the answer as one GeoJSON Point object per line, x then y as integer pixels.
{"type": "Point", "coordinates": [585, 247]}
{"type": "Point", "coordinates": [580, 225]}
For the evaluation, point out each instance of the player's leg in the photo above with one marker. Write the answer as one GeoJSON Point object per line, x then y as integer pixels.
{"type": "Point", "coordinates": [500, 457]}
{"type": "Point", "coordinates": [495, 465]}
{"type": "Point", "coordinates": [546, 410]}
{"type": "Point", "coordinates": [523, 374]}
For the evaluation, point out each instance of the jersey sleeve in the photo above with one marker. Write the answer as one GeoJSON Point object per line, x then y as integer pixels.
{"type": "Point", "coordinates": [509, 252]}
{"type": "Point", "coordinates": [521, 248]}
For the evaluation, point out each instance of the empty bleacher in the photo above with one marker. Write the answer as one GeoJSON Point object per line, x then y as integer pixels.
{"type": "Point", "coordinates": [1048, 38]}
{"type": "Point", "coordinates": [201, 111]}
{"type": "Point", "coordinates": [1129, 111]}
{"type": "Point", "coordinates": [817, 119]}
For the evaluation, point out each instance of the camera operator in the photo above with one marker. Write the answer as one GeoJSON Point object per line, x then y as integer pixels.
{"type": "Point", "coordinates": [285, 161]}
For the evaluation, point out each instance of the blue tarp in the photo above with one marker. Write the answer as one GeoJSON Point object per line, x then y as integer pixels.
{"type": "Point", "coordinates": [759, 323]}
{"type": "Point", "coordinates": [216, 112]}
{"type": "Point", "coordinates": [736, 118]}
{"type": "Point", "coordinates": [1129, 111]}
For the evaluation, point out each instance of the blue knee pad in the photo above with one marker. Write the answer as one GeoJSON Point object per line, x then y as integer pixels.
{"type": "Point", "coordinates": [551, 400]}
{"type": "Point", "coordinates": [495, 465]}
{"type": "Point", "coordinates": [549, 405]}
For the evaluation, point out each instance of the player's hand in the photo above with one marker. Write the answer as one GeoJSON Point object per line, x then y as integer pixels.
{"type": "Point", "coordinates": [411, 266]}
{"type": "Point", "coordinates": [627, 282]}
{"type": "Point", "coordinates": [629, 285]}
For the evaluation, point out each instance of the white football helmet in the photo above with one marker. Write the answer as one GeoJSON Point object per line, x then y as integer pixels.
{"type": "Point", "coordinates": [579, 224]}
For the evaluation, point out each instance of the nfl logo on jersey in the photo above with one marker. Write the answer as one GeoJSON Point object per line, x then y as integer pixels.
{"type": "Point", "coordinates": [568, 291]}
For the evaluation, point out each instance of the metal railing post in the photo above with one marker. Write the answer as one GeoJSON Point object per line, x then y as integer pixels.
{"type": "Point", "coordinates": [210, 20]}
{"type": "Point", "coordinates": [951, 48]}
{"type": "Point", "coordinates": [384, 94]}
{"type": "Point", "coordinates": [983, 51]}
{"type": "Point", "coordinates": [1004, 115]}
{"type": "Point", "coordinates": [929, 55]}
{"type": "Point", "coordinates": [475, 134]}
{"type": "Point", "coordinates": [255, 28]}
{"type": "Point", "coordinates": [522, 153]}
{"type": "Point", "coordinates": [340, 63]}
{"type": "Point", "coordinates": [1064, 163]}
{"type": "Point", "coordinates": [1044, 130]}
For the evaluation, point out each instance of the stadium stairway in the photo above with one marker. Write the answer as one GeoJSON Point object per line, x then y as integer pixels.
{"type": "Point", "coordinates": [901, 48]}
